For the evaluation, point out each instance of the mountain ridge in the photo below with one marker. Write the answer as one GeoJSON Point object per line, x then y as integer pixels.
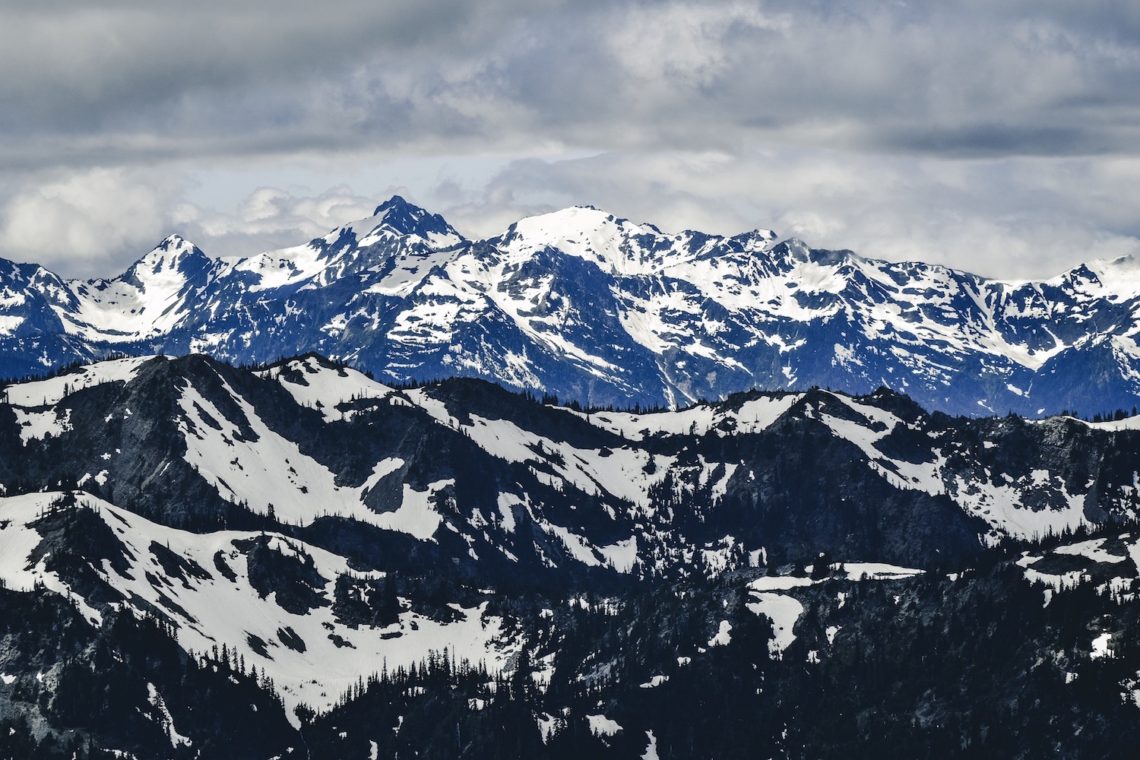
{"type": "Point", "coordinates": [297, 558]}
{"type": "Point", "coordinates": [602, 310]}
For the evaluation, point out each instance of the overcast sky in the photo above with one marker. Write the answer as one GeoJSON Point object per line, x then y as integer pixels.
{"type": "Point", "coordinates": [999, 137]}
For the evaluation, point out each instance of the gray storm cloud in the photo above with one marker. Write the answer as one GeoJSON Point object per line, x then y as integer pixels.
{"type": "Point", "coordinates": [1001, 137]}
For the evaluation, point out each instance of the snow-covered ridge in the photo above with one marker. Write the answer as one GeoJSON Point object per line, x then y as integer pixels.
{"type": "Point", "coordinates": [254, 462]}
{"type": "Point", "coordinates": [37, 393]}
{"type": "Point", "coordinates": [315, 383]}
{"type": "Point", "coordinates": [606, 311]}
{"type": "Point", "coordinates": [150, 298]}
{"type": "Point", "coordinates": [752, 416]}
{"type": "Point", "coordinates": [340, 474]}
{"type": "Point", "coordinates": [1125, 423]}
{"type": "Point", "coordinates": [616, 245]}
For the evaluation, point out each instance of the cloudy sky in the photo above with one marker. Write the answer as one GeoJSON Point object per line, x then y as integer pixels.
{"type": "Point", "coordinates": [1001, 137]}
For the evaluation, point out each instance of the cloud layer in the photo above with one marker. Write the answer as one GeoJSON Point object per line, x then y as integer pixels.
{"type": "Point", "coordinates": [997, 136]}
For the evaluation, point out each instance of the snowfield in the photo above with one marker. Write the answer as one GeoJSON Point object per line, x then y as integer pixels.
{"type": "Point", "coordinates": [210, 609]}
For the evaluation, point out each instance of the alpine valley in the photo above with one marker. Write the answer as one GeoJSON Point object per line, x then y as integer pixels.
{"type": "Point", "coordinates": [600, 310]}
{"type": "Point", "coordinates": [297, 559]}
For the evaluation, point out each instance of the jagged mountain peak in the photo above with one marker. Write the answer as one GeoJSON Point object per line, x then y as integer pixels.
{"type": "Point", "coordinates": [151, 297]}
{"type": "Point", "coordinates": [167, 267]}
{"type": "Point", "coordinates": [758, 237]}
{"type": "Point", "coordinates": [587, 305]}
{"type": "Point", "coordinates": [798, 250]}
{"type": "Point", "coordinates": [397, 206]}
{"type": "Point", "coordinates": [173, 254]}
{"type": "Point", "coordinates": [175, 242]}
{"type": "Point", "coordinates": [373, 245]}
{"type": "Point", "coordinates": [405, 218]}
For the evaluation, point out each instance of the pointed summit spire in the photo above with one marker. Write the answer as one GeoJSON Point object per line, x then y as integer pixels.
{"type": "Point", "coordinates": [173, 254]}
{"type": "Point", "coordinates": [174, 245]}
{"type": "Point", "coordinates": [395, 203]}
{"type": "Point", "coordinates": [409, 219]}
{"type": "Point", "coordinates": [174, 242]}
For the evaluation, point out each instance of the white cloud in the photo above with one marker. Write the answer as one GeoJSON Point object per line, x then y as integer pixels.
{"type": "Point", "coordinates": [1014, 218]}
{"type": "Point", "coordinates": [271, 218]}
{"type": "Point", "coordinates": [683, 44]}
{"type": "Point", "coordinates": [92, 223]}
{"type": "Point", "coordinates": [272, 211]}
{"type": "Point", "coordinates": [84, 221]}
{"type": "Point", "coordinates": [897, 129]}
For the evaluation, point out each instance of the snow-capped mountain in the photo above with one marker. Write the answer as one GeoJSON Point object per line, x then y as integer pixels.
{"type": "Point", "coordinates": [601, 310]}
{"type": "Point", "coordinates": [152, 297]}
{"type": "Point", "coordinates": [203, 539]}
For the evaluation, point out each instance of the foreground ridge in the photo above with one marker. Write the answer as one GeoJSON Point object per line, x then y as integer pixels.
{"type": "Point", "coordinates": [297, 559]}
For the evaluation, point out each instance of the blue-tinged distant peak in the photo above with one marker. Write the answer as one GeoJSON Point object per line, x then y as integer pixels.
{"type": "Point", "coordinates": [409, 219]}
{"type": "Point", "coordinates": [174, 254]}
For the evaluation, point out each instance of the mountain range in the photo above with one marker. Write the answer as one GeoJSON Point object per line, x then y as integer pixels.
{"type": "Point", "coordinates": [603, 311]}
{"type": "Point", "coordinates": [296, 559]}
{"type": "Point", "coordinates": [582, 489]}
